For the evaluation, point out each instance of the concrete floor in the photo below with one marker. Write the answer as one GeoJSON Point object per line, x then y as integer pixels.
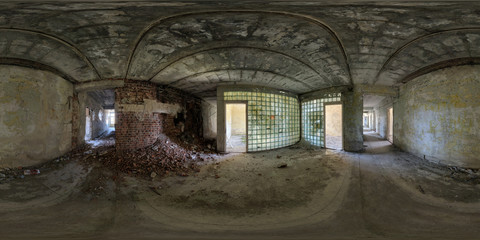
{"type": "Point", "coordinates": [321, 194]}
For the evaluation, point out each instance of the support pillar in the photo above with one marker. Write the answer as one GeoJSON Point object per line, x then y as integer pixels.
{"type": "Point", "coordinates": [353, 120]}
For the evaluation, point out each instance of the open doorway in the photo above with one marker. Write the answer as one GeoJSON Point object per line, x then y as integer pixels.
{"type": "Point", "coordinates": [236, 127]}
{"type": "Point", "coordinates": [390, 124]}
{"type": "Point", "coordinates": [88, 124]}
{"type": "Point", "coordinates": [99, 114]}
{"type": "Point", "coordinates": [333, 126]}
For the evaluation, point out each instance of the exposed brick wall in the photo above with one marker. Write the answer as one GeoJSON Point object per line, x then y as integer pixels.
{"type": "Point", "coordinates": [134, 92]}
{"type": "Point", "coordinates": [169, 127]}
{"type": "Point", "coordinates": [140, 129]}
{"type": "Point", "coordinates": [192, 115]}
{"type": "Point", "coordinates": [137, 130]}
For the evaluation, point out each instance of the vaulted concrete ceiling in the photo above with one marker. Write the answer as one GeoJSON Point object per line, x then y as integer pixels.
{"type": "Point", "coordinates": [197, 45]}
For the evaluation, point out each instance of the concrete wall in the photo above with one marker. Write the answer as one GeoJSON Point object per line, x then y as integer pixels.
{"type": "Point", "coordinates": [209, 115]}
{"type": "Point", "coordinates": [35, 116]}
{"type": "Point", "coordinates": [353, 120]}
{"type": "Point", "coordinates": [381, 116]}
{"type": "Point", "coordinates": [438, 115]}
{"type": "Point", "coordinates": [333, 120]}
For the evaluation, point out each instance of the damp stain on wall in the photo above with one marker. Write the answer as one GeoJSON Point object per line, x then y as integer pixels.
{"type": "Point", "coordinates": [438, 116]}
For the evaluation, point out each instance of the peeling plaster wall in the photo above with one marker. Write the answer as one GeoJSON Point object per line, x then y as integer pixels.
{"type": "Point", "coordinates": [35, 116]}
{"type": "Point", "coordinates": [438, 115]}
{"type": "Point", "coordinates": [381, 116]}
{"type": "Point", "coordinates": [209, 115]}
{"type": "Point", "coordinates": [352, 120]}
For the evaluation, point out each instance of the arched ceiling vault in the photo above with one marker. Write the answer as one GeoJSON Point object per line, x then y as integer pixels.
{"type": "Point", "coordinates": [431, 51]}
{"type": "Point", "coordinates": [38, 49]}
{"type": "Point", "coordinates": [295, 46]}
{"type": "Point", "coordinates": [304, 51]}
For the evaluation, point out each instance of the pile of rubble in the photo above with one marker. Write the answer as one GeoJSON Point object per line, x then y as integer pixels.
{"type": "Point", "coordinates": [466, 175]}
{"type": "Point", "coordinates": [9, 174]}
{"type": "Point", "coordinates": [176, 155]}
{"type": "Point", "coordinates": [161, 158]}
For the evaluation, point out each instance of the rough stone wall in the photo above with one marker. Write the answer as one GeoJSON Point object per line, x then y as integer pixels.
{"type": "Point", "coordinates": [438, 116]}
{"type": "Point", "coordinates": [35, 116]}
{"type": "Point", "coordinates": [144, 111]}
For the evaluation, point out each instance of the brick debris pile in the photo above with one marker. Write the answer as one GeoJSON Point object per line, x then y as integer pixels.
{"type": "Point", "coordinates": [163, 157]}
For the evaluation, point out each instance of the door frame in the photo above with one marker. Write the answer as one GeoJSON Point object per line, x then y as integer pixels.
{"type": "Point", "coordinates": [325, 122]}
{"type": "Point", "coordinates": [246, 121]}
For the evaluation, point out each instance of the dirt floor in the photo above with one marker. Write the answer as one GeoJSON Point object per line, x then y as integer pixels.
{"type": "Point", "coordinates": [290, 193]}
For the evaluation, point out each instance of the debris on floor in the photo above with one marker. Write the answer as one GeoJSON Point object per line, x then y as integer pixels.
{"type": "Point", "coordinates": [163, 157]}
{"type": "Point", "coordinates": [419, 187]}
{"type": "Point", "coordinates": [466, 175]}
{"type": "Point", "coordinates": [31, 172]}
{"type": "Point", "coordinates": [284, 165]}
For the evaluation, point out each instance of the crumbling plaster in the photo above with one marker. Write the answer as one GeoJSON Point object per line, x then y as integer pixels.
{"type": "Point", "coordinates": [381, 116]}
{"type": "Point", "coordinates": [209, 116]}
{"type": "Point", "coordinates": [332, 45]}
{"type": "Point", "coordinates": [35, 116]}
{"type": "Point", "coordinates": [437, 116]}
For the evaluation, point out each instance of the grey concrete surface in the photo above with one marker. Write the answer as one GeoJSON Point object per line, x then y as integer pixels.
{"type": "Point", "coordinates": [35, 116]}
{"type": "Point", "coordinates": [321, 194]}
{"type": "Point", "coordinates": [299, 46]}
{"type": "Point", "coordinates": [437, 116]}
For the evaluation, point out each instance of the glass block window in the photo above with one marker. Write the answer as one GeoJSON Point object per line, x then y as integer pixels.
{"type": "Point", "coordinates": [313, 115]}
{"type": "Point", "coordinates": [273, 120]}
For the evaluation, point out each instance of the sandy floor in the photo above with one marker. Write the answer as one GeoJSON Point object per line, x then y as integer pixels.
{"type": "Point", "coordinates": [320, 194]}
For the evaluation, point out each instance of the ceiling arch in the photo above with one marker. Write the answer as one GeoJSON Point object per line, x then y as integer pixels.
{"type": "Point", "coordinates": [308, 45]}
{"type": "Point", "coordinates": [35, 65]}
{"type": "Point", "coordinates": [46, 50]}
{"type": "Point", "coordinates": [430, 51]}
{"type": "Point", "coordinates": [242, 65]}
